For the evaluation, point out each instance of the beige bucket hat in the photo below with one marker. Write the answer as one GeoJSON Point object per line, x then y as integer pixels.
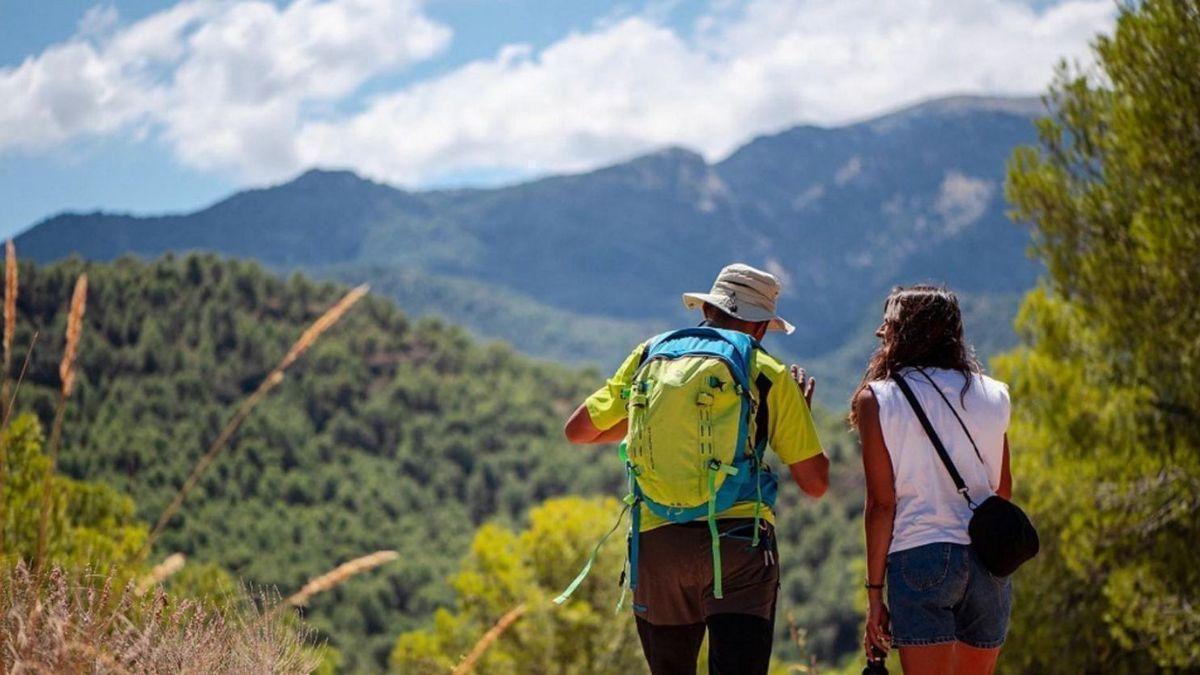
{"type": "Point", "coordinates": [744, 292]}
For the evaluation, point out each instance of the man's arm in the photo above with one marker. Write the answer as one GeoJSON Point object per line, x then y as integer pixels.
{"type": "Point", "coordinates": [812, 475]}
{"type": "Point", "coordinates": [602, 417]}
{"type": "Point", "coordinates": [580, 429]}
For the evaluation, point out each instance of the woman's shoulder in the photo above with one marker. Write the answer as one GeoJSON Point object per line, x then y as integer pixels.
{"type": "Point", "coordinates": [880, 390]}
{"type": "Point", "coordinates": [943, 377]}
{"type": "Point", "coordinates": [992, 385]}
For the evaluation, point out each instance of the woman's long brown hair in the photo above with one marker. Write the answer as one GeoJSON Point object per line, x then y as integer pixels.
{"type": "Point", "coordinates": [922, 326]}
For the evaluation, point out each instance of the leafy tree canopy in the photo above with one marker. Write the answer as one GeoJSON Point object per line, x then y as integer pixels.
{"type": "Point", "coordinates": [507, 569]}
{"type": "Point", "coordinates": [90, 525]}
{"type": "Point", "coordinates": [1107, 422]}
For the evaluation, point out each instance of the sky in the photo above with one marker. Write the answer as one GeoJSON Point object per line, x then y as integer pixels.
{"type": "Point", "coordinates": [151, 107]}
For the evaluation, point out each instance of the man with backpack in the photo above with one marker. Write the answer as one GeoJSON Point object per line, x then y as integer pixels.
{"type": "Point", "coordinates": [695, 410]}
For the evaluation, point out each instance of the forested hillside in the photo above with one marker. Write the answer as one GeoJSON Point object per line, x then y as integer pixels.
{"type": "Point", "coordinates": [388, 434]}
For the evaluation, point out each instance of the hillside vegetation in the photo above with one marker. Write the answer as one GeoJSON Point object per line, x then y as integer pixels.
{"type": "Point", "coordinates": [387, 435]}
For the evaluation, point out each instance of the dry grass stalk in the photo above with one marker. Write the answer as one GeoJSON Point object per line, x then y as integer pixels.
{"type": "Point", "coordinates": [338, 576]}
{"type": "Point", "coordinates": [488, 638]}
{"type": "Point", "coordinates": [310, 336]}
{"type": "Point", "coordinates": [66, 372]}
{"type": "Point", "coordinates": [172, 564]}
{"type": "Point", "coordinates": [10, 310]}
{"type": "Point", "coordinates": [61, 622]}
{"type": "Point", "coordinates": [324, 323]}
{"type": "Point", "coordinates": [12, 402]}
{"type": "Point", "coordinates": [3, 427]}
{"type": "Point", "coordinates": [10, 325]}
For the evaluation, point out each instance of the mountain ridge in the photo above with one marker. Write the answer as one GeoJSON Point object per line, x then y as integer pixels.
{"type": "Point", "coordinates": [1030, 106]}
{"type": "Point", "coordinates": [841, 214]}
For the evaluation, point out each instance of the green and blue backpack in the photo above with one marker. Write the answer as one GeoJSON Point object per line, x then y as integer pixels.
{"type": "Point", "coordinates": [688, 454]}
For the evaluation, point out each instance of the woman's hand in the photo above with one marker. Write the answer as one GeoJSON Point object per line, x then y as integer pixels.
{"type": "Point", "coordinates": [807, 384]}
{"type": "Point", "coordinates": [877, 638]}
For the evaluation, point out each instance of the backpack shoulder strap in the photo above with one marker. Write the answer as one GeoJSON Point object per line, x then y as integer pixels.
{"type": "Point", "coordinates": [959, 484]}
{"type": "Point", "coordinates": [762, 416]}
{"type": "Point", "coordinates": [734, 347]}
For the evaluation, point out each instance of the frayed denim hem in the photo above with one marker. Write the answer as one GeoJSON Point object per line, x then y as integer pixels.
{"type": "Point", "coordinates": [933, 642]}
{"type": "Point", "coordinates": [993, 644]}
{"type": "Point", "coordinates": [930, 642]}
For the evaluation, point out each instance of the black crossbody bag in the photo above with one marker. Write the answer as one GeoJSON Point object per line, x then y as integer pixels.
{"type": "Point", "coordinates": [1001, 534]}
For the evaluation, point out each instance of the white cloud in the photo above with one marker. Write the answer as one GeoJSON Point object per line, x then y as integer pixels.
{"type": "Point", "coordinates": [225, 80]}
{"type": "Point", "coordinates": [962, 200]}
{"type": "Point", "coordinates": [633, 84]}
{"type": "Point", "coordinates": [849, 171]}
{"type": "Point", "coordinates": [247, 87]}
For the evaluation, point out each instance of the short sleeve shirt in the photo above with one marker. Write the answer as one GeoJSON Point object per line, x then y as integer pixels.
{"type": "Point", "coordinates": [791, 433]}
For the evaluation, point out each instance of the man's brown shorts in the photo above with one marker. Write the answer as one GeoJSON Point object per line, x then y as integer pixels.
{"type": "Point", "coordinates": [675, 573]}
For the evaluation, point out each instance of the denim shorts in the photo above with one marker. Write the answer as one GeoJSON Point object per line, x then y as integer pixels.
{"type": "Point", "coordinates": [940, 593]}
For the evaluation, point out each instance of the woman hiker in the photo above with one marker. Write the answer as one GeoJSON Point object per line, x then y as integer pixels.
{"type": "Point", "coordinates": [945, 612]}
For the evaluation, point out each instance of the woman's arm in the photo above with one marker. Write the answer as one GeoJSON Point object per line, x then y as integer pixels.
{"type": "Point", "coordinates": [1005, 488]}
{"type": "Point", "coordinates": [879, 514]}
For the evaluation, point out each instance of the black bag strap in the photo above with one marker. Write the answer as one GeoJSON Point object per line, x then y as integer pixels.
{"type": "Point", "coordinates": [950, 405]}
{"type": "Point", "coordinates": [959, 483]}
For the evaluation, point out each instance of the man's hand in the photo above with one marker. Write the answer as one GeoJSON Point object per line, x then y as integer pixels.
{"type": "Point", "coordinates": [807, 384]}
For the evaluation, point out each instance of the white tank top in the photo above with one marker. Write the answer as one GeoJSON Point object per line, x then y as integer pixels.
{"type": "Point", "coordinates": [928, 508]}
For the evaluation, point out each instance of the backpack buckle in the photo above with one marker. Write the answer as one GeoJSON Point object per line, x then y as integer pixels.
{"type": "Point", "coordinates": [704, 399]}
{"type": "Point", "coordinates": [716, 466]}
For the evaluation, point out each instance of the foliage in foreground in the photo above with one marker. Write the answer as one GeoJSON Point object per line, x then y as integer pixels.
{"type": "Point", "coordinates": [387, 435]}
{"type": "Point", "coordinates": [74, 622]}
{"type": "Point", "coordinates": [75, 618]}
{"type": "Point", "coordinates": [820, 544]}
{"type": "Point", "coordinates": [1106, 431]}
{"type": "Point", "coordinates": [505, 569]}
{"type": "Point", "coordinates": [90, 523]}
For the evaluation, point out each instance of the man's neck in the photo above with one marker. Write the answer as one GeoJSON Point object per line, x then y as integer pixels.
{"type": "Point", "coordinates": [708, 323]}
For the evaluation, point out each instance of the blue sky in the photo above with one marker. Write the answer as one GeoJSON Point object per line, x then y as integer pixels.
{"type": "Point", "coordinates": [159, 106]}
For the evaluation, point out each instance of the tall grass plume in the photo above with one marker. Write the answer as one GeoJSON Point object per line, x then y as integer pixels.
{"type": "Point", "coordinates": [10, 312]}
{"type": "Point", "coordinates": [510, 617]}
{"type": "Point", "coordinates": [306, 340]}
{"type": "Point", "coordinates": [337, 576]}
{"type": "Point", "coordinates": [10, 326]}
{"type": "Point", "coordinates": [66, 367]}
{"type": "Point", "coordinates": [66, 373]}
{"type": "Point", "coordinates": [172, 564]}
